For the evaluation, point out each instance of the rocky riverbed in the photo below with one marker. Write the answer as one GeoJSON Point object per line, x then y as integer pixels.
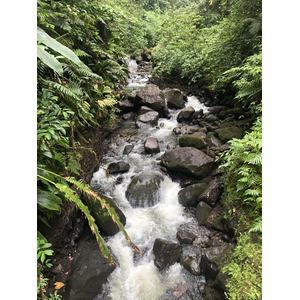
{"type": "Point", "coordinates": [162, 170]}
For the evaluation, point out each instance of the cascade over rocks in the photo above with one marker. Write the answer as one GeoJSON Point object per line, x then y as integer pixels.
{"type": "Point", "coordinates": [89, 272]}
{"type": "Point", "coordinates": [143, 191]}
{"type": "Point", "coordinates": [166, 253]}
{"type": "Point", "coordinates": [188, 160]}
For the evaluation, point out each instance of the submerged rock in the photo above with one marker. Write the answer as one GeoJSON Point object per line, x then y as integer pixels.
{"type": "Point", "coordinates": [143, 191]}
{"type": "Point", "coordinates": [166, 253]}
{"type": "Point", "coordinates": [188, 160]}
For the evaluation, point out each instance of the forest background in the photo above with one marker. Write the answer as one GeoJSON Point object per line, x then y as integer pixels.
{"type": "Point", "coordinates": [281, 66]}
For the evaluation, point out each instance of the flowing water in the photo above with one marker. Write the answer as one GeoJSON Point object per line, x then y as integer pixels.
{"type": "Point", "coordinates": [137, 278]}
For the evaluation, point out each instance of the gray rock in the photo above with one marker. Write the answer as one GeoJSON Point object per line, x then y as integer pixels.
{"type": "Point", "coordinates": [144, 109]}
{"type": "Point", "coordinates": [191, 259]}
{"type": "Point", "coordinates": [211, 193]}
{"type": "Point", "coordinates": [127, 149]}
{"type": "Point", "coordinates": [147, 120]}
{"type": "Point", "coordinates": [118, 167]}
{"type": "Point", "coordinates": [185, 129]}
{"type": "Point", "coordinates": [189, 196]}
{"type": "Point", "coordinates": [90, 271]}
{"type": "Point", "coordinates": [187, 233]}
{"type": "Point", "coordinates": [166, 253]}
{"type": "Point", "coordinates": [152, 97]}
{"type": "Point", "coordinates": [214, 142]}
{"type": "Point", "coordinates": [129, 115]}
{"type": "Point", "coordinates": [185, 114]}
{"type": "Point", "coordinates": [202, 212]}
{"type": "Point", "coordinates": [151, 145]}
{"type": "Point", "coordinates": [189, 161]}
{"type": "Point", "coordinates": [211, 118]}
{"type": "Point", "coordinates": [143, 191]}
{"type": "Point", "coordinates": [174, 98]}
{"type": "Point", "coordinates": [127, 106]}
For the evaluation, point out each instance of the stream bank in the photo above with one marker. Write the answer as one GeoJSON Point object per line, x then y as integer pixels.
{"type": "Point", "coordinates": [187, 133]}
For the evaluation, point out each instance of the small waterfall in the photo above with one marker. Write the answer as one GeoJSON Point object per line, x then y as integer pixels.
{"type": "Point", "coordinates": [137, 278]}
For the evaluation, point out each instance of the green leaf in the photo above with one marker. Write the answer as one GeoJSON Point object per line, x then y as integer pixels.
{"type": "Point", "coordinates": [48, 200]}
{"type": "Point", "coordinates": [49, 60]}
{"type": "Point", "coordinates": [43, 37]}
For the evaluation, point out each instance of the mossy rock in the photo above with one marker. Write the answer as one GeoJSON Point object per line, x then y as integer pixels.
{"type": "Point", "coordinates": [202, 212]}
{"type": "Point", "coordinates": [101, 215]}
{"type": "Point", "coordinates": [228, 133]}
{"type": "Point", "coordinates": [190, 140]}
{"type": "Point", "coordinates": [143, 191]}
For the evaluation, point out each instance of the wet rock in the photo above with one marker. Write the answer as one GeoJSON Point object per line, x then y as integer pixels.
{"type": "Point", "coordinates": [187, 233]}
{"type": "Point", "coordinates": [89, 272]}
{"type": "Point", "coordinates": [101, 216]}
{"type": "Point", "coordinates": [127, 106]}
{"type": "Point", "coordinates": [202, 212]}
{"type": "Point", "coordinates": [128, 116]}
{"type": "Point", "coordinates": [174, 98]}
{"type": "Point", "coordinates": [144, 109]}
{"type": "Point", "coordinates": [213, 294]}
{"type": "Point", "coordinates": [186, 129]}
{"type": "Point", "coordinates": [189, 161]}
{"type": "Point", "coordinates": [152, 97]}
{"type": "Point", "coordinates": [118, 167]}
{"type": "Point", "coordinates": [189, 196]}
{"type": "Point", "coordinates": [151, 145]}
{"type": "Point", "coordinates": [185, 114]}
{"type": "Point", "coordinates": [120, 179]}
{"type": "Point", "coordinates": [143, 191]}
{"type": "Point", "coordinates": [215, 219]}
{"type": "Point", "coordinates": [211, 118]}
{"type": "Point", "coordinates": [166, 253]}
{"type": "Point", "coordinates": [214, 142]}
{"type": "Point", "coordinates": [212, 259]}
{"type": "Point", "coordinates": [217, 109]}
{"type": "Point", "coordinates": [147, 120]}
{"type": "Point", "coordinates": [197, 115]}
{"type": "Point", "coordinates": [228, 133]}
{"type": "Point", "coordinates": [191, 258]}
{"type": "Point", "coordinates": [211, 193]}
{"type": "Point", "coordinates": [127, 149]}
{"type": "Point", "coordinates": [190, 140]}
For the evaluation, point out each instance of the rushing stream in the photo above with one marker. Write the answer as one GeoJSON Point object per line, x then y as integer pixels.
{"type": "Point", "coordinates": [136, 277]}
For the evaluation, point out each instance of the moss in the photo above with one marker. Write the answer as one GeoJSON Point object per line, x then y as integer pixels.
{"type": "Point", "coordinates": [189, 140]}
{"type": "Point", "coordinates": [228, 133]}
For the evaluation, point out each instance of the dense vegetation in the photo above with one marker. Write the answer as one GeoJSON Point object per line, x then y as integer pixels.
{"type": "Point", "coordinates": [80, 68]}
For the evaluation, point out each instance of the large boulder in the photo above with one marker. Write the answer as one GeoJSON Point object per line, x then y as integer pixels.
{"type": "Point", "coordinates": [190, 140]}
{"type": "Point", "coordinates": [188, 196]}
{"type": "Point", "coordinates": [89, 272]}
{"type": "Point", "coordinates": [189, 161]}
{"type": "Point", "coordinates": [191, 258]}
{"type": "Point", "coordinates": [102, 218]}
{"type": "Point", "coordinates": [174, 98]}
{"type": "Point", "coordinates": [228, 133]}
{"type": "Point", "coordinates": [166, 253]}
{"type": "Point", "coordinates": [185, 114]}
{"type": "Point", "coordinates": [151, 145]}
{"type": "Point", "coordinates": [143, 191]}
{"type": "Point", "coordinates": [152, 97]}
{"type": "Point", "coordinates": [211, 193]}
{"type": "Point", "coordinates": [147, 120]}
{"type": "Point", "coordinates": [187, 232]}
{"type": "Point", "coordinates": [118, 167]}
